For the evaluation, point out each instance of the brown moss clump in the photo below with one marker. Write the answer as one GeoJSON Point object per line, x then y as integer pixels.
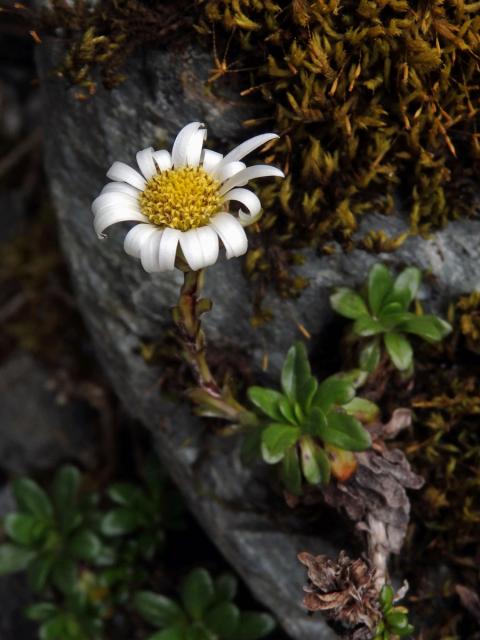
{"type": "Point", "coordinates": [444, 448]}
{"type": "Point", "coordinates": [469, 309]}
{"type": "Point", "coordinates": [372, 98]}
{"type": "Point", "coordinates": [104, 35]}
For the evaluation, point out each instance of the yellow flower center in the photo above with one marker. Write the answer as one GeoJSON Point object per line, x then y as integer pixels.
{"type": "Point", "coordinates": [183, 198]}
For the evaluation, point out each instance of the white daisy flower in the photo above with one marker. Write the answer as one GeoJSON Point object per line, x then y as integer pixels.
{"type": "Point", "coordinates": [183, 199]}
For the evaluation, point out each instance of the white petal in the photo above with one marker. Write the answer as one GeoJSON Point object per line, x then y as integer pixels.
{"type": "Point", "coordinates": [112, 216]}
{"type": "Point", "coordinates": [210, 159]}
{"type": "Point", "coordinates": [181, 146]}
{"type": "Point", "coordinates": [194, 152]}
{"type": "Point", "coordinates": [209, 244]}
{"type": "Point", "coordinates": [250, 173]}
{"type": "Point", "coordinates": [231, 234]}
{"type": "Point", "coordinates": [225, 171]}
{"type": "Point", "coordinates": [248, 146]}
{"type": "Point", "coordinates": [120, 187]}
{"type": "Point", "coordinates": [114, 199]}
{"type": "Point", "coordinates": [163, 160]}
{"type": "Point", "coordinates": [136, 238]}
{"type": "Point", "coordinates": [145, 163]}
{"type": "Point", "coordinates": [150, 251]}
{"type": "Point", "coordinates": [123, 173]}
{"type": "Point", "coordinates": [192, 249]}
{"type": "Point", "coordinates": [249, 200]}
{"type": "Point", "coordinates": [167, 251]}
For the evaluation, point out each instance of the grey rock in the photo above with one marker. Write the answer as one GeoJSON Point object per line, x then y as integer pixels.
{"type": "Point", "coordinates": [123, 305]}
{"type": "Point", "coordinates": [36, 432]}
{"type": "Point", "coordinates": [14, 592]}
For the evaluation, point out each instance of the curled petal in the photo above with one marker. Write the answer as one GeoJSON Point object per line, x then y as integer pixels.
{"type": "Point", "coordinates": [111, 216]}
{"type": "Point", "coordinates": [114, 199]}
{"type": "Point", "coordinates": [149, 252]}
{"type": "Point", "coordinates": [210, 159]}
{"type": "Point", "coordinates": [250, 173]}
{"type": "Point", "coordinates": [120, 187]}
{"type": "Point", "coordinates": [136, 238]}
{"type": "Point", "coordinates": [248, 146]}
{"type": "Point", "coordinates": [145, 163]}
{"type": "Point", "coordinates": [163, 160]}
{"type": "Point", "coordinates": [246, 197]}
{"type": "Point", "coordinates": [225, 171]}
{"type": "Point", "coordinates": [194, 152]}
{"type": "Point", "coordinates": [123, 173]}
{"type": "Point", "coordinates": [181, 146]}
{"type": "Point", "coordinates": [231, 233]}
{"type": "Point", "coordinates": [167, 251]}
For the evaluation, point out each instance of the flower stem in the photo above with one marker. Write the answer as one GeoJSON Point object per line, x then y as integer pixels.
{"type": "Point", "coordinates": [186, 316]}
{"type": "Point", "coordinates": [211, 399]}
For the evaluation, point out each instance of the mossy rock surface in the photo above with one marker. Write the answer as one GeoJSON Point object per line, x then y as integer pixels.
{"type": "Point", "coordinates": [124, 307]}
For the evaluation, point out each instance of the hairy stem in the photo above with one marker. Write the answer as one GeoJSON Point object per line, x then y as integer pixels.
{"type": "Point", "coordinates": [212, 400]}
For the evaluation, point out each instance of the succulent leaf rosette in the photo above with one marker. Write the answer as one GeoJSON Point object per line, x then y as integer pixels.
{"type": "Point", "coordinates": [204, 611]}
{"type": "Point", "coordinates": [382, 313]}
{"type": "Point", "coordinates": [312, 428]}
{"type": "Point", "coordinates": [184, 199]}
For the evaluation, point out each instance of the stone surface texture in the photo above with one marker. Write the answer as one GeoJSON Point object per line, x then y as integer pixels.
{"type": "Point", "coordinates": [37, 431]}
{"type": "Point", "coordinates": [123, 305]}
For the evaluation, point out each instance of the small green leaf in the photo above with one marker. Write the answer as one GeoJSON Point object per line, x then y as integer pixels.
{"type": "Point", "coordinates": [172, 633]}
{"type": "Point", "coordinates": [362, 409]}
{"type": "Point", "coordinates": [254, 625]}
{"type": "Point", "coordinates": [370, 356]}
{"type": "Point", "coordinates": [276, 439]}
{"type": "Point", "coordinates": [41, 611]}
{"type": "Point", "coordinates": [333, 391]}
{"type": "Point", "coordinates": [406, 286]}
{"type": "Point", "coordinates": [367, 326]}
{"type": "Point", "coordinates": [428, 327]}
{"type": "Point", "coordinates": [306, 393]}
{"type": "Point", "coordinates": [223, 619]}
{"type": "Point", "coordinates": [346, 432]}
{"type": "Point", "coordinates": [64, 575]}
{"type": "Point", "coordinates": [380, 283]}
{"type": "Point", "coordinates": [119, 522]}
{"type": "Point", "coordinates": [197, 592]}
{"type": "Point", "coordinates": [125, 494]}
{"type": "Point", "coordinates": [225, 587]}
{"type": "Point", "coordinates": [348, 303]}
{"type": "Point", "coordinates": [267, 400]}
{"type": "Point", "coordinates": [53, 629]}
{"type": "Point", "coordinates": [314, 422]}
{"type": "Point", "coordinates": [296, 371]}
{"type": "Point", "coordinates": [407, 631]}
{"type": "Point", "coordinates": [65, 488]}
{"type": "Point", "coordinates": [39, 571]}
{"type": "Point", "coordinates": [386, 597]}
{"type": "Point", "coordinates": [315, 465]}
{"type": "Point", "coordinates": [287, 411]}
{"type": "Point", "coordinates": [22, 528]}
{"type": "Point", "coordinates": [85, 545]}
{"type": "Point", "coordinates": [157, 610]}
{"type": "Point", "coordinates": [396, 621]}
{"type": "Point", "coordinates": [399, 349]}
{"type": "Point", "coordinates": [290, 472]}
{"type": "Point", "coordinates": [13, 558]}
{"type": "Point", "coordinates": [32, 498]}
